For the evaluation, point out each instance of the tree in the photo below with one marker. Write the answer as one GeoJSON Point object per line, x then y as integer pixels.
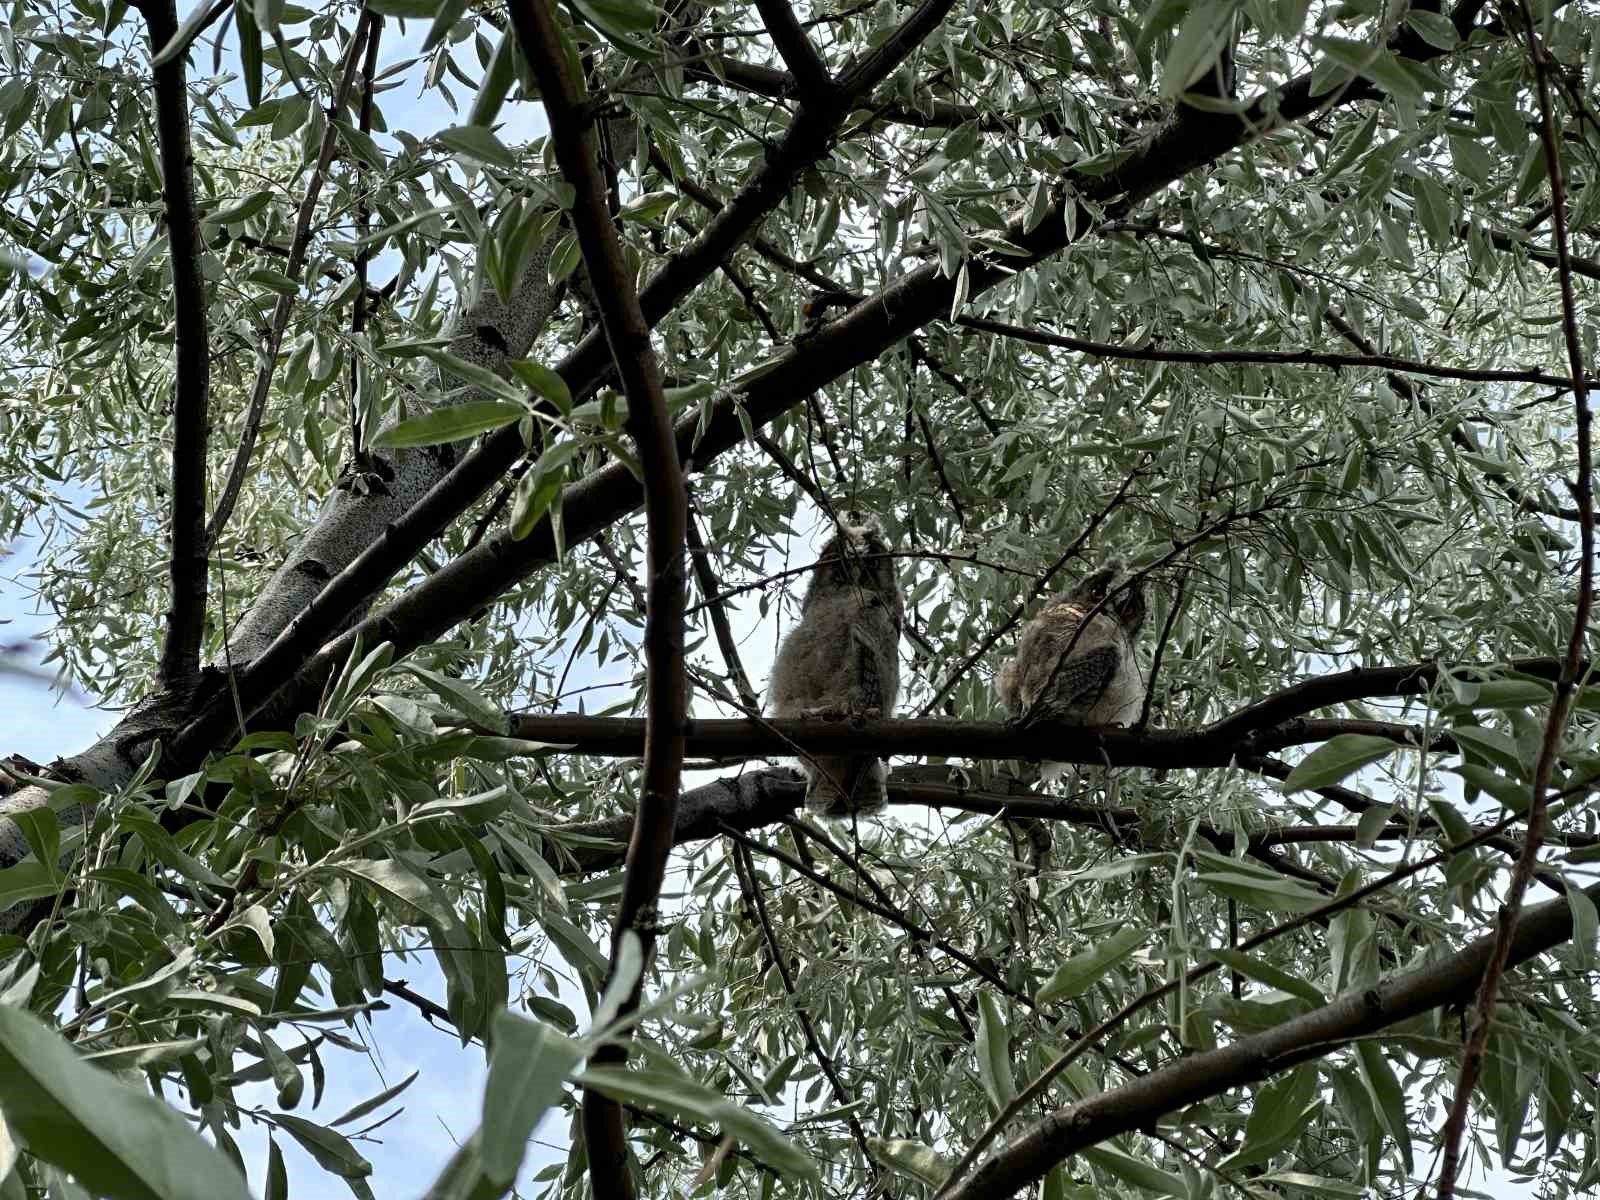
{"type": "Point", "coordinates": [1283, 303]}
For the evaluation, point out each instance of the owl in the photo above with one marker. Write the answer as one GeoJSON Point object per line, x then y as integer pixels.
{"type": "Point", "coordinates": [843, 658]}
{"type": "Point", "coordinates": [1078, 671]}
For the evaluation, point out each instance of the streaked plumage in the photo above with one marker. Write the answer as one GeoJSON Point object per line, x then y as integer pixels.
{"type": "Point", "coordinates": [843, 658]}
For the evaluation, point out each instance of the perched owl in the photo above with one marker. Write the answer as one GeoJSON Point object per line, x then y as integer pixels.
{"type": "Point", "coordinates": [1075, 671]}
{"type": "Point", "coordinates": [843, 658]}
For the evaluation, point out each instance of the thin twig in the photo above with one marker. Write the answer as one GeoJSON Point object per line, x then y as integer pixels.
{"type": "Point", "coordinates": [1285, 358]}
{"type": "Point", "coordinates": [1539, 811]}
{"type": "Point", "coordinates": [706, 579]}
{"type": "Point", "coordinates": [358, 312]}
{"type": "Point", "coordinates": [745, 866]}
{"type": "Point", "coordinates": [285, 305]}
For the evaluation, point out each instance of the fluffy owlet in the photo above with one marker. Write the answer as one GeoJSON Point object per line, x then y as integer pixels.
{"type": "Point", "coordinates": [1076, 668]}
{"type": "Point", "coordinates": [843, 657]}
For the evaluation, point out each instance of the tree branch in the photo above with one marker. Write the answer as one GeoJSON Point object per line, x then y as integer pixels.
{"type": "Point", "coordinates": [1289, 358]}
{"type": "Point", "coordinates": [187, 561]}
{"type": "Point", "coordinates": [735, 739]}
{"type": "Point", "coordinates": [1361, 1011]}
{"type": "Point", "coordinates": [666, 516]}
{"type": "Point", "coordinates": [1572, 666]}
{"type": "Point", "coordinates": [809, 73]}
{"type": "Point", "coordinates": [285, 303]}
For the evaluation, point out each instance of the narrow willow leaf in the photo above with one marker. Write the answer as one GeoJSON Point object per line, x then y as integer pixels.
{"type": "Point", "coordinates": [497, 79]}
{"type": "Point", "coordinates": [545, 383]}
{"type": "Point", "coordinates": [474, 141]}
{"type": "Point", "coordinates": [1270, 975]}
{"type": "Point", "coordinates": [121, 1143]}
{"type": "Point", "coordinates": [915, 1159]}
{"type": "Point", "coordinates": [451, 423]}
{"type": "Point", "coordinates": [374, 1103]}
{"type": "Point", "coordinates": [1137, 1172]}
{"type": "Point", "coordinates": [528, 1065]}
{"type": "Point", "coordinates": [186, 32]}
{"type": "Point", "coordinates": [679, 1096]}
{"type": "Point", "coordinates": [1334, 759]}
{"type": "Point", "coordinates": [993, 1047]}
{"type": "Point", "coordinates": [1081, 971]}
{"type": "Point", "coordinates": [333, 1151]}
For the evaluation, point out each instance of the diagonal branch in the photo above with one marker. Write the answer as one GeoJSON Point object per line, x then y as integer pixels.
{"type": "Point", "coordinates": [666, 516]}
{"type": "Point", "coordinates": [807, 139]}
{"type": "Point", "coordinates": [811, 79]}
{"type": "Point", "coordinates": [1361, 1011]}
{"type": "Point", "coordinates": [746, 869]}
{"type": "Point", "coordinates": [268, 364]}
{"type": "Point", "coordinates": [187, 569]}
{"type": "Point", "coordinates": [712, 600]}
{"type": "Point", "coordinates": [1572, 666]}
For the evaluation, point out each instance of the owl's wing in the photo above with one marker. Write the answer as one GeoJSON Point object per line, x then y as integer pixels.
{"type": "Point", "coordinates": [870, 684]}
{"type": "Point", "coordinates": [1083, 679]}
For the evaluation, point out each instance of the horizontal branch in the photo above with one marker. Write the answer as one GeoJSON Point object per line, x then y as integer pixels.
{"type": "Point", "coordinates": [733, 739]}
{"type": "Point", "coordinates": [1283, 358]}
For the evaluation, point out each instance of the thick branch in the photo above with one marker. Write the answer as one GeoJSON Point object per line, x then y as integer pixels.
{"type": "Point", "coordinates": [811, 79]}
{"type": "Point", "coordinates": [180, 653]}
{"type": "Point", "coordinates": [733, 739]}
{"type": "Point", "coordinates": [666, 515]}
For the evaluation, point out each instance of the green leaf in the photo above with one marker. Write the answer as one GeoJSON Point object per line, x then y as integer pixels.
{"type": "Point", "coordinates": [464, 698]}
{"type": "Point", "coordinates": [1196, 47]}
{"type": "Point", "coordinates": [1274, 895]}
{"type": "Point", "coordinates": [1081, 971]}
{"type": "Point", "coordinates": [249, 50]}
{"type": "Point", "coordinates": [1387, 1096]}
{"type": "Point", "coordinates": [1438, 30]}
{"type": "Point", "coordinates": [545, 383]}
{"type": "Point", "coordinates": [993, 1047]}
{"type": "Point", "coordinates": [1278, 1114]}
{"type": "Point", "coordinates": [1585, 928]}
{"type": "Point", "coordinates": [528, 1064]}
{"type": "Point", "coordinates": [917, 1160]}
{"type": "Point", "coordinates": [1135, 1171]}
{"type": "Point", "coordinates": [449, 423]}
{"type": "Point", "coordinates": [186, 33]}
{"type": "Point", "coordinates": [474, 141]}
{"type": "Point", "coordinates": [248, 207]}
{"type": "Point", "coordinates": [29, 880]}
{"type": "Point", "coordinates": [333, 1151]}
{"type": "Point", "coordinates": [497, 80]}
{"type": "Point", "coordinates": [679, 1096]}
{"type": "Point", "coordinates": [484, 806]}
{"type": "Point", "coordinates": [373, 1103]}
{"type": "Point", "coordinates": [1270, 975]}
{"type": "Point", "coordinates": [1334, 759]}
{"type": "Point", "coordinates": [410, 897]}
{"type": "Point", "coordinates": [120, 1143]}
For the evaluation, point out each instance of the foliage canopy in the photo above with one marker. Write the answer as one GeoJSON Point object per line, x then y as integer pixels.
{"type": "Point", "coordinates": [1262, 296]}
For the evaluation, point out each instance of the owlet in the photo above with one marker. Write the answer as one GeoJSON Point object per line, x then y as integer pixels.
{"type": "Point", "coordinates": [843, 658]}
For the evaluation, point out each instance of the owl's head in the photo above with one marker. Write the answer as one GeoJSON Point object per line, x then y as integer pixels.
{"type": "Point", "coordinates": [1126, 603]}
{"type": "Point", "coordinates": [857, 554]}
